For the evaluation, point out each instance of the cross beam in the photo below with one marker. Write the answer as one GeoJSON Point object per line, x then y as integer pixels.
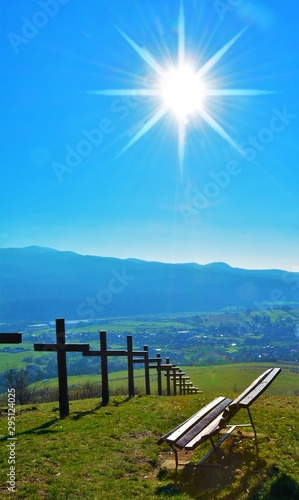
{"type": "Point", "coordinates": [10, 338]}
{"type": "Point", "coordinates": [62, 348]}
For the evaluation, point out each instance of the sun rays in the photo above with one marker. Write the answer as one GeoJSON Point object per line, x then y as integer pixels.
{"type": "Point", "coordinates": [181, 90]}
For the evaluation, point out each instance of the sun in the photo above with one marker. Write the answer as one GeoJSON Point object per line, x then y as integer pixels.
{"type": "Point", "coordinates": [182, 91]}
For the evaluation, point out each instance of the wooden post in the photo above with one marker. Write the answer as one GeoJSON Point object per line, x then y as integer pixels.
{"type": "Point", "coordinates": [168, 378]}
{"type": "Point", "coordinates": [159, 361]}
{"type": "Point", "coordinates": [62, 370]}
{"type": "Point", "coordinates": [61, 348]}
{"type": "Point", "coordinates": [156, 366]}
{"type": "Point", "coordinates": [142, 358]}
{"type": "Point", "coordinates": [146, 371]}
{"type": "Point", "coordinates": [175, 369]}
{"type": "Point", "coordinates": [104, 367]}
{"type": "Point", "coordinates": [130, 366]}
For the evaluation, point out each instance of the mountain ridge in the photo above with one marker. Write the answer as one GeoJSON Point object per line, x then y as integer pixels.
{"type": "Point", "coordinates": [40, 283]}
{"type": "Point", "coordinates": [217, 264]}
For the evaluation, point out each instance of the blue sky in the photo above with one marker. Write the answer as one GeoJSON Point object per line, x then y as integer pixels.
{"type": "Point", "coordinates": [65, 184]}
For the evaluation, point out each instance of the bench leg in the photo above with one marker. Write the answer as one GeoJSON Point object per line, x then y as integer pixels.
{"type": "Point", "coordinates": [176, 456]}
{"type": "Point", "coordinates": [216, 445]}
{"type": "Point", "coordinates": [214, 448]}
{"type": "Point", "coordinates": [251, 421]}
{"type": "Point", "coordinates": [255, 435]}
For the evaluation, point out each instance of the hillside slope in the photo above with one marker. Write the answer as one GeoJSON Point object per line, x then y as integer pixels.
{"type": "Point", "coordinates": [111, 452]}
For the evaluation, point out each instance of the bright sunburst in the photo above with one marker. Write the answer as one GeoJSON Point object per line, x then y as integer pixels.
{"type": "Point", "coordinates": [181, 90]}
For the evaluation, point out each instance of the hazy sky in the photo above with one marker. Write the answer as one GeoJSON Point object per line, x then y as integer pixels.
{"type": "Point", "coordinates": [65, 183]}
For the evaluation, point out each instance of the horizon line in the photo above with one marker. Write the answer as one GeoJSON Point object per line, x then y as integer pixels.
{"type": "Point", "coordinates": [150, 261]}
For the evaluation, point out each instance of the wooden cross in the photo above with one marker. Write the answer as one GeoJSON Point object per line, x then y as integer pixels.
{"type": "Point", "coordinates": [180, 380]}
{"type": "Point", "coordinates": [164, 367]}
{"type": "Point", "coordinates": [144, 360]}
{"type": "Point", "coordinates": [10, 338]}
{"type": "Point", "coordinates": [170, 371]}
{"type": "Point", "coordinates": [158, 365]}
{"type": "Point", "coordinates": [62, 348]}
{"type": "Point", "coordinates": [104, 353]}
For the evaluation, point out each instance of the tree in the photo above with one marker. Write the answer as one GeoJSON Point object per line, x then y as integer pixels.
{"type": "Point", "coordinates": [19, 380]}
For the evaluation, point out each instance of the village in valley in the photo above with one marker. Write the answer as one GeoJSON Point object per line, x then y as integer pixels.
{"type": "Point", "coordinates": [188, 340]}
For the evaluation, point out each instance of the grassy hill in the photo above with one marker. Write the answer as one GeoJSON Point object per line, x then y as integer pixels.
{"type": "Point", "coordinates": [110, 452]}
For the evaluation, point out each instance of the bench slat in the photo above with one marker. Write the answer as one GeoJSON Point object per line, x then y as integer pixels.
{"type": "Point", "coordinates": [204, 434]}
{"type": "Point", "coordinates": [173, 435]}
{"type": "Point", "coordinates": [251, 386]}
{"type": "Point", "coordinates": [203, 424]}
{"type": "Point", "coordinates": [253, 395]}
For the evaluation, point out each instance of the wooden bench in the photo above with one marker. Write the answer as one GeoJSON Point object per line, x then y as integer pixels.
{"type": "Point", "coordinates": [214, 417]}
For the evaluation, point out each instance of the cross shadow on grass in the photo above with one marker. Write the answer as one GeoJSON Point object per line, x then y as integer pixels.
{"type": "Point", "coordinates": [80, 414]}
{"type": "Point", "coordinates": [119, 403]}
{"type": "Point", "coordinates": [41, 429]}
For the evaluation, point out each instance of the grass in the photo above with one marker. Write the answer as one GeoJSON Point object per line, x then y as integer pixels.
{"type": "Point", "coordinates": [110, 452]}
{"type": "Point", "coordinates": [221, 379]}
{"type": "Point", "coordinates": [16, 359]}
{"type": "Point", "coordinates": [236, 377]}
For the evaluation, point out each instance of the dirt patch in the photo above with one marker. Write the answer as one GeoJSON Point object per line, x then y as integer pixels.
{"type": "Point", "coordinates": [166, 459]}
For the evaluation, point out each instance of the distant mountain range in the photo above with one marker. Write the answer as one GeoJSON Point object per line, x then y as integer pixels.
{"type": "Point", "coordinates": [43, 284]}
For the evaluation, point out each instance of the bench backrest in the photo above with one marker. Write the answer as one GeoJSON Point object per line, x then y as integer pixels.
{"type": "Point", "coordinates": [250, 394]}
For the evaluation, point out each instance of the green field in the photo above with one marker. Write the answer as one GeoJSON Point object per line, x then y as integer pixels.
{"type": "Point", "coordinates": [212, 338]}
{"type": "Point", "coordinates": [220, 379]}
{"type": "Point", "coordinates": [236, 377]}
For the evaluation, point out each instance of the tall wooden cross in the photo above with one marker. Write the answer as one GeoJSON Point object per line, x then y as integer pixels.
{"type": "Point", "coordinates": [62, 348]}
{"type": "Point", "coordinates": [10, 338]}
